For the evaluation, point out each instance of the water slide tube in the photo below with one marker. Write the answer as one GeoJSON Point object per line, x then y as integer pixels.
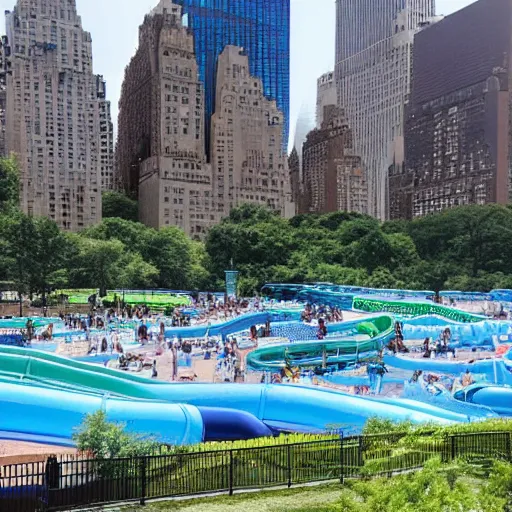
{"type": "Point", "coordinates": [413, 308]}
{"type": "Point", "coordinates": [497, 398]}
{"type": "Point", "coordinates": [280, 407]}
{"type": "Point", "coordinates": [46, 415]}
{"type": "Point", "coordinates": [494, 370]}
{"type": "Point", "coordinates": [242, 323]}
{"type": "Point", "coordinates": [353, 341]}
{"type": "Point", "coordinates": [324, 293]}
{"type": "Point", "coordinates": [463, 334]}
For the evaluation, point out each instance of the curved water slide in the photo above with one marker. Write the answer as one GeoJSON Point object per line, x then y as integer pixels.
{"type": "Point", "coordinates": [496, 398]}
{"type": "Point", "coordinates": [413, 308]}
{"type": "Point", "coordinates": [495, 392]}
{"type": "Point", "coordinates": [241, 323]}
{"type": "Point", "coordinates": [352, 341]}
{"type": "Point", "coordinates": [463, 333]}
{"type": "Point", "coordinates": [40, 386]}
{"type": "Point", "coordinates": [336, 295]}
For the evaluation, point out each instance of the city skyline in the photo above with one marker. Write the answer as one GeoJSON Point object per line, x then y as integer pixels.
{"type": "Point", "coordinates": [115, 42]}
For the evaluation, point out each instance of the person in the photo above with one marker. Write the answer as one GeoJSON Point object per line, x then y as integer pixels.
{"type": "Point", "coordinates": [154, 372]}
{"type": "Point", "coordinates": [93, 346]}
{"type": "Point", "coordinates": [48, 333]}
{"type": "Point", "coordinates": [399, 332]}
{"type": "Point", "coordinates": [322, 329]}
{"type": "Point", "coordinates": [467, 379]}
{"type": "Point", "coordinates": [30, 329]}
{"type": "Point", "coordinates": [174, 351]}
{"type": "Point", "coordinates": [415, 376]}
{"type": "Point", "coordinates": [426, 347]}
{"type": "Point", "coordinates": [104, 346]}
{"type": "Point", "coordinates": [267, 329]}
{"type": "Point", "coordinates": [253, 333]}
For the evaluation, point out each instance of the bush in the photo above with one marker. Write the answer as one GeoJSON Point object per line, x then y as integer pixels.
{"type": "Point", "coordinates": [102, 439]}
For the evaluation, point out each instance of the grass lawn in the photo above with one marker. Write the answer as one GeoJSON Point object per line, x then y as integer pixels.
{"type": "Point", "coordinates": [311, 499]}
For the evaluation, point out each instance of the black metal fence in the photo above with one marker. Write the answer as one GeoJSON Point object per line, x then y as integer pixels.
{"type": "Point", "coordinates": [68, 482]}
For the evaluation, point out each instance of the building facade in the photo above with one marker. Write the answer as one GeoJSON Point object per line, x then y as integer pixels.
{"type": "Point", "coordinates": [57, 117]}
{"type": "Point", "coordinates": [295, 178]}
{"type": "Point", "coordinates": [372, 73]}
{"type": "Point", "coordinates": [160, 148]}
{"type": "Point", "coordinates": [457, 131]}
{"type": "Point", "coordinates": [261, 28]}
{"type": "Point", "coordinates": [325, 95]}
{"type": "Point", "coordinates": [249, 164]}
{"type": "Point", "coordinates": [333, 177]}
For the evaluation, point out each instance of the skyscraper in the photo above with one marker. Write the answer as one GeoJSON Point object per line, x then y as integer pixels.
{"type": "Point", "coordinates": [325, 95]}
{"type": "Point", "coordinates": [57, 119]}
{"type": "Point", "coordinates": [333, 178]}
{"type": "Point", "coordinates": [160, 150]}
{"type": "Point", "coordinates": [249, 164]}
{"type": "Point", "coordinates": [373, 72]}
{"type": "Point", "coordinates": [458, 131]}
{"type": "Point", "coordinates": [261, 28]}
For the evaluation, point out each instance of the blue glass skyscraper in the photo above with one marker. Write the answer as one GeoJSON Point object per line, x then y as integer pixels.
{"type": "Point", "coordinates": [261, 28]}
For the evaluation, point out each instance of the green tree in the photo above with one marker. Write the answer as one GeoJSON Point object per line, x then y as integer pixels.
{"type": "Point", "coordinates": [134, 236]}
{"type": "Point", "coordinates": [19, 236]}
{"type": "Point", "coordinates": [135, 273]}
{"type": "Point", "coordinates": [9, 184]}
{"type": "Point", "coordinates": [117, 204]}
{"type": "Point", "coordinates": [101, 439]}
{"type": "Point", "coordinates": [96, 264]}
{"type": "Point", "coordinates": [51, 249]}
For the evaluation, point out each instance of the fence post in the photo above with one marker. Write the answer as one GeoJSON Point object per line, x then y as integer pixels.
{"type": "Point", "coordinates": [289, 462]}
{"type": "Point", "coordinates": [360, 452]}
{"type": "Point", "coordinates": [454, 451]}
{"type": "Point", "coordinates": [231, 472]}
{"type": "Point", "coordinates": [342, 460]}
{"type": "Point", "coordinates": [143, 492]}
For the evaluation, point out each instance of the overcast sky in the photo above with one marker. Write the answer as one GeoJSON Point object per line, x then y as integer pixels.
{"type": "Point", "coordinates": [114, 28]}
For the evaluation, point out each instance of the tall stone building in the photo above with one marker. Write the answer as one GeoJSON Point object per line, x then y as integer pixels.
{"type": "Point", "coordinates": [248, 161]}
{"type": "Point", "coordinates": [261, 28]}
{"type": "Point", "coordinates": [57, 117]}
{"type": "Point", "coordinates": [458, 125]}
{"type": "Point", "coordinates": [333, 177]}
{"type": "Point", "coordinates": [4, 69]}
{"type": "Point", "coordinates": [325, 95]}
{"type": "Point", "coordinates": [373, 73]}
{"type": "Point", "coordinates": [160, 150]}
{"type": "Point", "coordinates": [295, 178]}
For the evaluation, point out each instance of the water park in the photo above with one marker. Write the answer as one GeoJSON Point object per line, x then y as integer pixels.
{"type": "Point", "coordinates": [315, 359]}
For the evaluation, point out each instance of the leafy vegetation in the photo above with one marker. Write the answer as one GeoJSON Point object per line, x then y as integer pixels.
{"type": "Point", "coordinates": [118, 205]}
{"type": "Point", "coordinates": [464, 248]}
{"type": "Point", "coordinates": [100, 439]}
{"type": "Point", "coordinates": [437, 488]}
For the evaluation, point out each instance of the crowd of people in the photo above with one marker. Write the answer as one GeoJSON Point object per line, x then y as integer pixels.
{"type": "Point", "coordinates": [313, 311]}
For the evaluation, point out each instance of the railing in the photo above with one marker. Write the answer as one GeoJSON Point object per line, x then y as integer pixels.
{"type": "Point", "coordinates": [61, 484]}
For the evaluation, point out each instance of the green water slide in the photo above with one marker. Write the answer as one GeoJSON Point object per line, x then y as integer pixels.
{"type": "Point", "coordinates": [356, 340]}
{"type": "Point", "coordinates": [43, 368]}
{"type": "Point", "coordinates": [413, 308]}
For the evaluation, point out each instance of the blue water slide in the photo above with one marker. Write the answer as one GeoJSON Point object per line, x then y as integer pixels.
{"type": "Point", "coordinates": [241, 323]}
{"type": "Point", "coordinates": [37, 385]}
{"type": "Point", "coordinates": [497, 398]}
{"type": "Point", "coordinates": [39, 414]}
{"type": "Point", "coordinates": [32, 413]}
{"type": "Point", "coordinates": [463, 334]}
{"type": "Point", "coordinates": [494, 370]}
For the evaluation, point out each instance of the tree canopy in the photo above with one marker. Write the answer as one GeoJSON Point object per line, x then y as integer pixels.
{"type": "Point", "coordinates": [117, 204]}
{"type": "Point", "coordinates": [465, 248]}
